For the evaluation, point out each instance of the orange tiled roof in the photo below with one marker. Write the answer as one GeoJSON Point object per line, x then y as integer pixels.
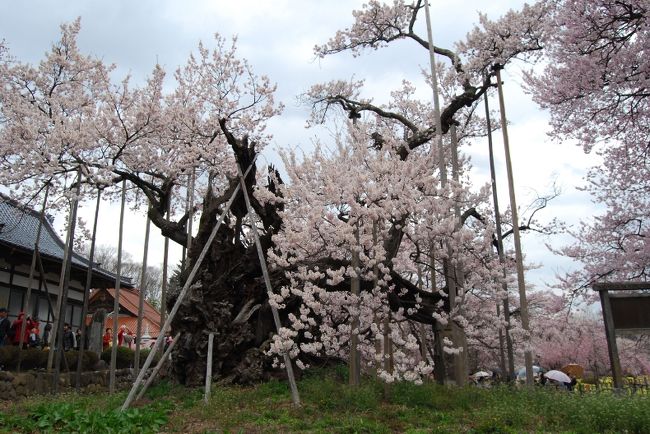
{"type": "Point", "coordinates": [129, 300]}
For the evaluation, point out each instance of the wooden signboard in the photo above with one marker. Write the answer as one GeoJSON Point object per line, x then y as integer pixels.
{"type": "Point", "coordinates": [625, 312]}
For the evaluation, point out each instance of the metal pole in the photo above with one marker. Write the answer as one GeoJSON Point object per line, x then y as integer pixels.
{"type": "Point", "coordinates": [181, 295]}
{"type": "Point", "coordinates": [116, 300]}
{"type": "Point", "coordinates": [143, 281]}
{"type": "Point", "coordinates": [523, 303]}
{"type": "Point", "coordinates": [30, 282]}
{"type": "Point", "coordinates": [208, 369]}
{"type": "Point", "coordinates": [269, 288]}
{"type": "Point", "coordinates": [500, 251]}
{"type": "Point", "coordinates": [89, 276]}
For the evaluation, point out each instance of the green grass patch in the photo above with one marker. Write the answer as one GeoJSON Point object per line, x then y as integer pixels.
{"type": "Point", "coordinates": [329, 405]}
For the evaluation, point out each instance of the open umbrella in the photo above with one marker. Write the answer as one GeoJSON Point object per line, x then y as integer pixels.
{"type": "Point", "coordinates": [573, 369]}
{"type": "Point", "coordinates": [521, 373]}
{"type": "Point", "coordinates": [558, 376]}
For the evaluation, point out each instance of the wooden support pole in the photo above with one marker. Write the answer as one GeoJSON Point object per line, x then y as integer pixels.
{"type": "Point", "coordinates": [59, 299]}
{"type": "Point", "coordinates": [89, 276]}
{"type": "Point", "coordinates": [510, 372]}
{"type": "Point", "coordinates": [208, 370]}
{"type": "Point", "coordinates": [66, 284]}
{"type": "Point", "coordinates": [161, 362]}
{"type": "Point", "coordinates": [269, 289]}
{"type": "Point", "coordinates": [610, 333]}
{"type": "Point", "coordinates": [181, 295]}
{"type": "Point", "coordinates": [30, 282]}
{"type": "Point", "coordinates": [523, 302]}
{"type": "Point", "coordinates": [163, 292]}
{"type": "Point", "coordinates": [458, 275]}
{"type": "Point", "coordinates": [143, 282]}
{"type": "Point", "coordinates": [355, 358]}
{"type": "Point", "coordinates": [116, 300]}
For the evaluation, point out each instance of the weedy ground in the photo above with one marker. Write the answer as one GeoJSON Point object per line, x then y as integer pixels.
{"type": "Point", "coordinates": [330, 405]}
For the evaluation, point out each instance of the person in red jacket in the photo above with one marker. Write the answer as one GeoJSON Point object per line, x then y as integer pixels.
{"type": "Point", "coordinates": [17, 325]}
{"type": "Point", "coordinates": [107, 339]}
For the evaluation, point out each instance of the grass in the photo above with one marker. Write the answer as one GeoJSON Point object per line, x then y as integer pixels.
{"type": "Point", "coordinates": [330, 405]}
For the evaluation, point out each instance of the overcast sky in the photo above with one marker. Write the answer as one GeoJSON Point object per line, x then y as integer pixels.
{"type": "Point", "coordinates": [277, 37]}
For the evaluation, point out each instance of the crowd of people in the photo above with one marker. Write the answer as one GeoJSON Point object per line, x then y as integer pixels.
{"type": "Point", "coordinates": [10, 333]}
{"type": "Point", "coordinates": [125, 337]}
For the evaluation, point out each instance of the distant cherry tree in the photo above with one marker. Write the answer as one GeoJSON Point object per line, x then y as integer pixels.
{"type": "Point", "coordinates": [595, 86]}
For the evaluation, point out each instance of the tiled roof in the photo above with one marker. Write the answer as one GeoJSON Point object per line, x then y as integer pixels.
{"type": "Point", "coordinates": [129, 299]}
{"type": "Point", "coordinates": [18, 227]}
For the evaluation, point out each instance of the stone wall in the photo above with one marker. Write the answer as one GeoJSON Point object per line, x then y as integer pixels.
{"type": "Point", "coordinates": [20, 385]}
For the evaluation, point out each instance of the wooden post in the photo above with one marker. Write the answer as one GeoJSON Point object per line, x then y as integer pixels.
{"type": "Point", "coordinates": [499, 233]}
{"type": "Point", "coordinates": [388, 352]}
{"type": "Point", "coordinates": [116, 301]}
{"type": "Point", "coordinates": [66, 284]}
{"type": "Point", "coordinates": [143, 281]}
{"type": "Point", "coordinates": [439, 370]}
{"type": "Point", "coordinates": [59, 299]}
{"type": "Point", "coordinates": [448, 268]}
{"type": "Point", "coordinates": [161, 362]}
{"type": "Point", "coordinates": [30, 281]}
{"type": "Point", "coordinates": [610, 332]}
{"type": "Point", "coordinates": [461, 370]}
{"type": "Point", "coordinates": [355, 357]}
{"type": "Point", "coordinates": [163, 292]}
{"type": "Point", "coordinates": [89, 276]}
{"type": "Point", "coordinates": [208, 370]}
{"type": "Point", "coordinates": [181, 295]}
{"type": "Point", "coordinates": [523, 302]}
{"type": "Point", "coordinates": [267, 281]}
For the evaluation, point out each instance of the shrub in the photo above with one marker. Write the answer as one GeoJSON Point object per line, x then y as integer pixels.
{"type": "Point", "coordinates": [8, 357]}
{"type": "Point", "coordinates": [124, 358]}
{"type": "Point", "coordinates": [88, 360]}
{"type": "Point", "coordinates": [144, 353]}
{"type": "Point", "coordinates": [34, 358]}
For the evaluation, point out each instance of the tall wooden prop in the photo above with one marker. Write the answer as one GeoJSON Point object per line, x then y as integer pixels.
{"type": "Point", "coordinates": [448, 268]}
{"type": "Point", "coordinates": [460, 360]}
{"type": "Point", "coordinates": [143, 281]}
{"type": "Point", "coordinates": [84, 308]}
{"type": "Point", "coordinates": [499, 233]}
{"type": "Point", "coordinates": [181, 297]}
{"type": "Point", "coordinates": [116, 300]}
{"type": "Point", "coordinates": [163, 291]}
{"type": "Point", "coordinates": [66, 284]}
{"type": "Point", "coordinates": [523, 302]}
{"type": "Point", "coordinates": [30, 282]}
{"type": "Point", "coordinates": [355, 356]}
{"type": "Point", "coordinates": [59, 299]}
{"type": "Point", "coordinates": [269, 289]}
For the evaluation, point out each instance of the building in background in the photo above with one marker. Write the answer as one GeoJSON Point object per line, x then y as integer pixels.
{"type": "Point", "coordinates": [18, 228]}
{"type": "Point", "coordinates": [128, 312]}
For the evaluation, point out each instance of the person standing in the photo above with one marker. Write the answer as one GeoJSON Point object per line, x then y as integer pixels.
{"type": "Point", "coordinates": [5, 327]}
{"type": "Point", "coordinates": [107, 339]}
{"type": "Point", "coordinates": [46, 335]}
{"type": "Point", "coordinates": [17, 326]}
{"type": "Point", "coordinates": [69, 341]}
